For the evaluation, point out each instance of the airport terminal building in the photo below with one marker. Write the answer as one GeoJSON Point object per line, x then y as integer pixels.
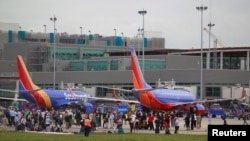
{"type": "Point", "coordinates": [91, 60]}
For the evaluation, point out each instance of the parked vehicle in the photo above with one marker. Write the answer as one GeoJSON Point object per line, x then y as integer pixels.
{"type": "Point", "coordinates": [216, 109]}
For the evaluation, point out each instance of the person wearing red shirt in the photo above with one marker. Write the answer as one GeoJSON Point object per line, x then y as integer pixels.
{"type": "Point", "coordinates": [150, 121]}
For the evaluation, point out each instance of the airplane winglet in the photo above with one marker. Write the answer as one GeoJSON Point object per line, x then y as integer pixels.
{"type": "Point", "coordinates": [243, 94]}
{"type": "Point", "coordinates": [113, 92]}
{"type": "Point", "coordinates": [70, 90]}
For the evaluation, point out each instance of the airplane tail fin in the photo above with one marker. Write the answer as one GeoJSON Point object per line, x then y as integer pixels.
{"type": "Point", "coordinates": [24, 77]}
{"type": "Point", "coordinates": [28, 89]}
{"type": "Point", "coordinates": [138, 79]}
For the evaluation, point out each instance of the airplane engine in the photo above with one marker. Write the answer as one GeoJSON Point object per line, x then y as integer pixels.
{"type": "Point", "coordinates": [205, 102]}
{"type": "Point", "coordinates": [88, 107]}
{"type": "Point", "coordinates": [199, 109]}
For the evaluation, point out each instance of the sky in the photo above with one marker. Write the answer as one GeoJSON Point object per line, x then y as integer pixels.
{"type": "Point", "coordinates": [178, 21]}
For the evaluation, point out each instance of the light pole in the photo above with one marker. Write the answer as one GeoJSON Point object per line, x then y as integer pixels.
{"type": "Point", "coordinates": [142, 12]}
{"type": "Point", "coordinates": [122, 39]}
{"type": "Point", "coordinates": [115, 32]}
{"type": "Point", "coordinates": [115, 37]}
{"type": "Point", "coordinates": [44, 28]}
{"type": "Point", "coordinates": [54, 54]}
{"type": "Point", "coordinates": [81, 37]}
{"type": "Point", "coordinates": [201, 9]}
{"type": "Point", "coordinates": [138, 41]}
{"type": "Point", "coordinates": [81, 31]}
{"type": "Point", "coordinates": [210, 25]}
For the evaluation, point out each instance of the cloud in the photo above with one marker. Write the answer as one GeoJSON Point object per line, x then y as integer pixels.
{"type": "Point", "coordinates": [178, 20]}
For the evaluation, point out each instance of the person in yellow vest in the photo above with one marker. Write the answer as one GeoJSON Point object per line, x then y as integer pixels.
{"type": "Point", "coordinates": [87, 126]}
{"type": "Point", "coordinates": [126, 117]}
{"type": "Point", "coordinates": [132, 107]}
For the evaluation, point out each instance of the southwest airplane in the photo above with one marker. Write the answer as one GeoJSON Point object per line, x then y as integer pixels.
{"type": "Point", "coordinates": [44, 97]}
{"type": "Point", "coordinates": [47, 97]}
{"type": "Point", "coordinates": [161, 98]}
{"type": "Point", "coordinates": [152, 98]}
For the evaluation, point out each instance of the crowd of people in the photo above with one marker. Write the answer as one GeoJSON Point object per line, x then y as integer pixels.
{"type": "Point", "coordinates": [52, 120]}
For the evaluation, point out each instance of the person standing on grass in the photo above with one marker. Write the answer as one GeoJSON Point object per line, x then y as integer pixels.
{"type": "Point", "coordinates": [187, 121]}
{"type": "Point", "coordinates": [150, 122]}
{"type": "Point", "coordinates": [67, 121]}
{"type": "Point", "coordinates": [132, 122]}
{"type": "Point", "coordinates": [166, 125]}
{"type": "Point", "coordinates": [157, 125]}
{"type": "Point", "coordinates": [47, 121]}
{"type": "Point", "coordinates": [87, 126]}
{"type": "Point", "coordinates": [176, 124]}
{"type": "Point", "coordinates": [105, 124]}
{"type": "Point", "coordinates": [198, 121]}
{"type": "Point", "coordinates": [82, 130]}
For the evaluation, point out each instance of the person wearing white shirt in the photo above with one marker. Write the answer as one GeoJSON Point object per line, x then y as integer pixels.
{"type": "Point", "coordinates": [132, 121]}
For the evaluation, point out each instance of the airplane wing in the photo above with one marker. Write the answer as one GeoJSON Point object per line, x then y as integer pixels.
{"type": "Point", "coordinates": [119, 89]}
{"type": "Point", "coordinates": [138, 90]}
{"type": "Point", "coordinates": [114, 99]}
{"type": "Point", "coordinates": [13, 91]}
{"type": "Point", "coordinates": [151, 89]}
{"type": "Point", "coordinates": [18, 99]}
{"type": "Point", "coordinates": [243, 96]}
{"type": "Point", "coordinates": [205, 101]}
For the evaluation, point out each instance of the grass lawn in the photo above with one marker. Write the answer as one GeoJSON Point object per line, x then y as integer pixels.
{"type": "Point", "coordinates": [24, 136]}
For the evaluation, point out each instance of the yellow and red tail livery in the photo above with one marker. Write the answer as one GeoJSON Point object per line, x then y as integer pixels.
{"type": "Point", "coordinates": [40, 97]}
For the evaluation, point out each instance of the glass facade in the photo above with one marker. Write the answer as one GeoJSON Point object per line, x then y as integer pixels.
{"type": "Point", "coordinates": [231, 63]}
{"type": "Point", "coordinates": [97, 66]}
{"type": "Point", "coordinates": [153, 64]}
{"type": "Point", "coordinates": [213, 92]}
{"type": "Point", "coordinates": [114, 65]}
{"type": "Point", "coordinates": [66, 53]}
{"type": "Point", "coordinates": [88, 53]}
{"type": "Point", "coordinates": [76, 66]}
